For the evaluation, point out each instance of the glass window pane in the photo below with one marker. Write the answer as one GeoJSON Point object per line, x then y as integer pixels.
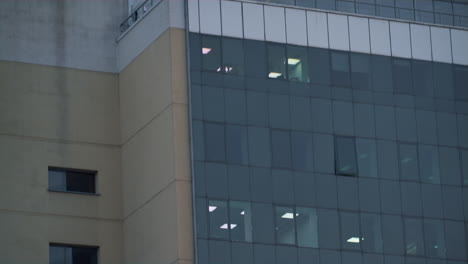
{"type": "Point", "coordinates": [326, 4]}
{"type": "Point", "coordinates": [385, 8]}
{"type": "Point", "coordinates": [285, 233]}
{"type": "Point", "coordinates": [367, 157]}
{"type": "Point", "coordinates": [340, 68]}
{"type": "Point", "coordinates": [201, 217]}
{"type": "Point", "coordinates": [233, 56]}
{"type": "Point", "coordinates": [56, 255]}
{"type": "Point", "coordinates": [422, 78]}
{"type": "Point", "coordinates": [214, 142]}
{"type": "Point", "coordinates": [392, 233]}
{"type": "Point", "coordinates": [306, 3]}
{"type": "Point", "coordinates": [195, 54]}
{"type": "Point", "coordinates": [429, 164]}
{"type": "Point", "coordinates": [298, 67]}
{"type": "Point", "coordinates": [259, 146]}
{"type": "Point", "coordinates": [350, 235]}
{"type": "Point", "coordinates": [81, 182]}
{"type": "Point", "coordinates": [382, 79]}
{"type": "Point", "coordinates": [281, 149]}
{"type": "Point", "coordinates": [465, 166]}
{"type": "Point", "coordinates": [302, 151]}
{"type": "Point", "coordinates": [276, 61]}
{"type": "Point", "coordinates": [360, 67]}
{"type": "Point", "coordinates": [241, 221]}
{"type": "Point", "coordinates": [402, 82]}
{"type": "Point", "coordinates": [211, 53]}
{"type": "Point", "coordinates": [262, 219]}
{"type": "Point", "coordinates": [213, 103]}
{"type": "Point", "coordinates": [236, 144]}
{"type": "Point", "coordinates": [443, 80]}
{"type": "Point", "coordinates": [82, 255]}
{"type": "Point", "coordinates": [57, 180]}
{"type": "Point", "coordinates": [319, 62]}
{"type": "Point", "coordinates": [218, 219]}
{"type": "Point", "coordinates": [255, 58]}
{"type": "Point", "coordinates": [434, 238]}
{"type": "Point", "coordinates": [365, 7]}
{"type": "Point", "coordinates": [461, 82]}
{"type": "Point", "coordinates": [345, 156]}
{"type": "Point", "coordinates": [414, 236]}
{"type": "Point", "coordinates": [409, 162]}
{"type": "Point", "coordinates": [371, 233]}
{"type": "Point", "coordinates": [306, 224]}
{"type": "Point", "coordinates": [345, 6]}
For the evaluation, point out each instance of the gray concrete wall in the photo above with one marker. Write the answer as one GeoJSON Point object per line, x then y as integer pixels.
{"type": "Point", "coordinates": [67, 33]}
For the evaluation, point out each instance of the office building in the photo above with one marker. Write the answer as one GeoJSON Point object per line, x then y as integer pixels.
{"type": "Point", "coordinates": [234, 132]}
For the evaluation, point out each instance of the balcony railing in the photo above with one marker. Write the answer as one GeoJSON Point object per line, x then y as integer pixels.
{"type": "Point", "coordinates": [139, 12]}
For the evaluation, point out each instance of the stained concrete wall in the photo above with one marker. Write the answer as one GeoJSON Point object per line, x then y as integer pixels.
{"type": "Point", "coordinates": [54, 116]}
{"type": "Point", "coordinates": [67, 33]}
{"type": "Point", "coordinates": [155, 154]}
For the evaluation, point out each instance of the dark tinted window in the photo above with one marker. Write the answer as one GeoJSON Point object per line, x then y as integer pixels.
{"type": "Point", "coordinates": [461, 82]}
{"type": "Point", "coordinates": [422, 78]}
{"type": "Point", "coordinates": [255, 58]}
{"type": "Point", "coordinates": [62, 254]}
{"type": "Point", "coordinates": [345, 156]}
{"type": "Point", "coordinates": [382, 73]}
{"type": "Point", "coordinates": [233, 56]}
{"type": "Point", "coordinates": [443, 80]}
{"type": "Point", "coordinates": [360, 71]}
{"type": "Point", "coordinates": [72, 180]}
{"type": "Point", "coordinates": [340, 68]}
{"type": "Point", "coordinates": [402, 82]}
{"type": "Point", "coordinates": [211, 53]}
{"type": "Point", "coordinates": [319, 62]}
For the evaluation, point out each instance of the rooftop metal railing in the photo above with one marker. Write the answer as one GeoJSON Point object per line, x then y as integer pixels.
{"type": "Point", "coordinates": [139, 12]}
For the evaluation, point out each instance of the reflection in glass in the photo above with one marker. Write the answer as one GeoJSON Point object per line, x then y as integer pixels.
{"type": "Point", "coordinates": [306, 223]}
{"type": "Point", "coordinates": [366, 157]}
{"type": "Point", "coordinates": [233, 56]}
{"type": "Point", "coordinates": [298, 68]}
{"type": "Point", "coordinates": [360, 68]}
{"type": "Point", "coordinates": [57, 180]}
{"type": "Point", "coordinates": [429, 164]}
{"type": "Point", "coordinates": [371, 233]}
{"type": "Point", "coordinates": [345, 159]}
{"type": "Point", "coordinates": [465, 166]}
{"type": "Point", "coordinates": [340, 68]}
{"type": "Point", "coordinates": [350, 235]}
{"type": "Point", "coordinates": [211, 53]}
{"type": "Point", "coordinates": [434, 238]}
{"type": "Point", "coordinates": [402, 81]}
{"type": "Point", "coordinates": [285, 225]}
{"type": "Point", "coordinates": [414, 236]}
{"type": "Point", "coordinates": [276, 61]}
{"type": "Point", "coordinates": [409, 162]}
{"type": "Point", "coordinates": [218, 219]}
{"type": "Point", "coordinates": [241, 221]}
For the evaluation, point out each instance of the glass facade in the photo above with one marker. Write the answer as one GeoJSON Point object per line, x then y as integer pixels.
{"type": "Point", "coordinates": [445, 12]}
{"type": "Point", "coordinates": [307, 155]}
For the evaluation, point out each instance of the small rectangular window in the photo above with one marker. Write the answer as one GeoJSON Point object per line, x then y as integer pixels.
{"type": "Point", "coordinates": [345, 156]}
{"type": "Point", "coordinates": [72, 180]}
{"type": "Point", "coordinates": [319, 61]}
{"type": "Point", "coordinates": [285, 233]}
{"type": "Point", "coordinates": [340, 69]}
{"type": "Point", "coordinates": [67, 254]}
{"type": "Point", "coordinates": [298, 67]}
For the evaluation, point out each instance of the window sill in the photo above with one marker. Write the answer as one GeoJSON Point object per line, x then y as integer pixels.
{"type": "Point", "coordinates": [70, 192]}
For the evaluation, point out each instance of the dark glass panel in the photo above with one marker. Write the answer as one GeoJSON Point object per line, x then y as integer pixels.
{"type": "Point", "coordinates": [340, 68]}
{"type": "Point", "coordinates": [402, 81]}
{"type": "Point", "coordinates": [382, 79]}
{"type": "Point", "coordinates": [306, 224]}
{"type": "Point", "coordinates": [409, 162]}
{"type": "Point", "coordinates": [422, 78]}
{"type": "Point", "coordinates": [83, 255]}
{"type": "Point", "coordinates": [345, 156]}
{"type": "Point", "coordinates": [443, 80]}
{"type": "Point", "coordinates": [81, 181]}
{"type": "Point", "coordinates": [285, 233]}
{"type": "Point", "coordinates": [241, 221]}
{"type": "Point", "coordinates": [461, 82]}
{"type": "Point", "coordinates": [319, 61]}
{"type": "Point", "coordinates": [414, 236]}
{"type": "Point", "coordinates": [281, 149]}
{"type": "Point", "coordinates": [326, 4]}
{"type": "Point", "coordinates": [350, 234]}
{"type": "Point", "coordinates": [255, 58]}
{"type": "Point", "coordinates": [57, 180]}
{"type": "Point", "coordinates": [195, 51]}
{"type": "Point", "coordinates": [214, 142]}
{"type": "Point", "coordinates": [218, 219]}
{"type": "Point", "coordinates": [236, 144]}
{"type": "Point", "coordinates": [211, 53]}
{"type": "Point", "coordinates": [360, 70]}
{"type": "Point", "coordinates": [233, 56]}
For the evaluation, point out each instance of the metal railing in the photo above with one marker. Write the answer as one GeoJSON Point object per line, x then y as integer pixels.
{"type": "Point", "coordinates": [139, 12]}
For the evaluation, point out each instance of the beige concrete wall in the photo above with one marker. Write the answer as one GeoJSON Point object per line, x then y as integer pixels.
{"type": "Point", "coordinates": [52, 116]}
{"type": "Point", "coordinates": [155, 154]}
